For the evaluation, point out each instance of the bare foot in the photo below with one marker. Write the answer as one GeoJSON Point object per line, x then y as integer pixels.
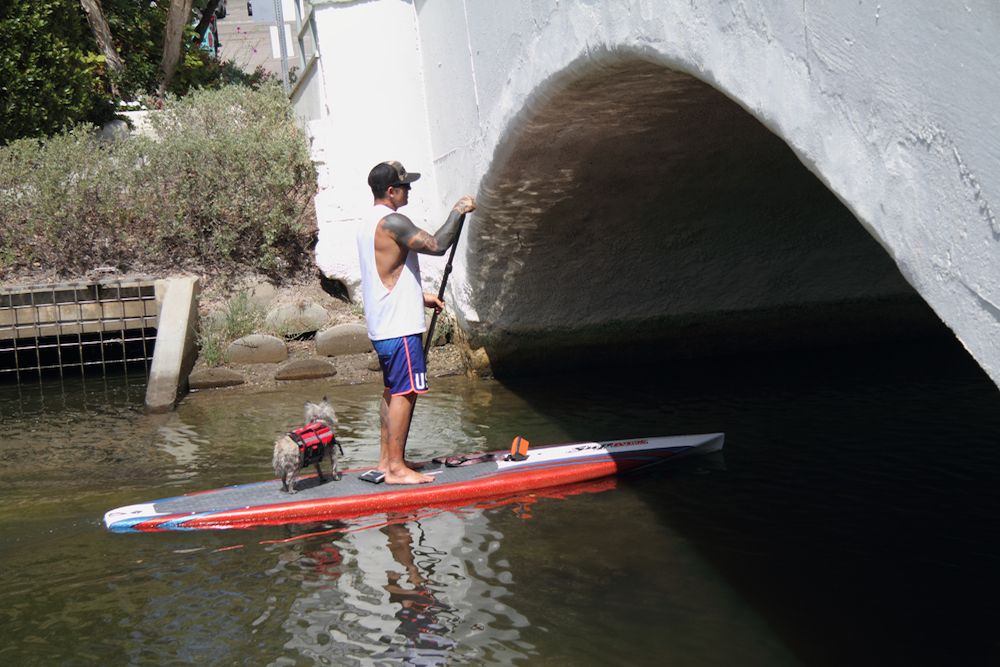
{"type": "Point", "coordinates": [406, 476]}
{"type": "Point", "coordinates": [412, 465]}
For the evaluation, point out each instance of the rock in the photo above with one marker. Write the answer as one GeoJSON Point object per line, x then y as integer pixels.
{"type": "Point", "coordinates": [256, 349]}
{"type": "Point", "coordinates": [476, 360]}
{"type": "Point", "coordinates": [343, 339]}
{"type": "Point", "coordinates": [373, 364]}
{"type": "Point", "coordinates": [295, 319]}
{"type": "Point", "coordinates": [210, 378]}
{"type": "Point", "coordinates": [263, 293]}
{"type": "Point", "coordinates": [305, 369]}
{"type": "Point", "coordinates": [113, 131]}
{"type": "Point", "coordinates": [336, 249]}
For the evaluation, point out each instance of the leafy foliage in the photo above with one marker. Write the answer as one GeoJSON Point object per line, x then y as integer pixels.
{"type": "Point", "coordinates": [200, 70]}
{"type": "Point", "coordinates": [52, 76]}
{"type": "Point", "coordinates": [50, 73]}
{"type": "Point", "coordinates": [137, 28]}
{"type": "Point", "coordinates": [226, 187]}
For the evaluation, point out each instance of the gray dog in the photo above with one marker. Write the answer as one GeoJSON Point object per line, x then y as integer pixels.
{"type": "Point", "coordinates": [307, 445]}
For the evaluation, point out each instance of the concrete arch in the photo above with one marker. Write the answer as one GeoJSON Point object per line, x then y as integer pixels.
{"type": "Point", "coordinates": [887, 109]}
{"type": "Point", "coordinates": [634, 211]}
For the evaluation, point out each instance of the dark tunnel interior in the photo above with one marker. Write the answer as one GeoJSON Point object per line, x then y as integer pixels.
{"type": "Point", "coordinates": [635, 209]}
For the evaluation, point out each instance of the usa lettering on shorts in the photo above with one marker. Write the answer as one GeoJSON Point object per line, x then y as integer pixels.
{"type": "Point", "coordinates": [420, 381]}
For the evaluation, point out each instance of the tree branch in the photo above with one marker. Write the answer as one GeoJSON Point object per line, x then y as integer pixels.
{"type": "Point", "coordinates": [102, 35]}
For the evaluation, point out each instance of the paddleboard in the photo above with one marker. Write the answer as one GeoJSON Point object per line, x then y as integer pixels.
{"type": "Point", "coordinates": [489, 475]}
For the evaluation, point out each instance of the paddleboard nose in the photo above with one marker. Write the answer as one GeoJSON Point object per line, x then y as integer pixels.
{"type": "Point", "coordinates": [122, 515]}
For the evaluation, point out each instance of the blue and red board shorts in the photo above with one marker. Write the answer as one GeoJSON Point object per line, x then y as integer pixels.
{"type": "Point", "coordinates": [402, 360]}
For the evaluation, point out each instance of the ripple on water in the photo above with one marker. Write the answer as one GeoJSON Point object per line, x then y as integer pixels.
{"type": "Point", "coordinates": [855, 495]}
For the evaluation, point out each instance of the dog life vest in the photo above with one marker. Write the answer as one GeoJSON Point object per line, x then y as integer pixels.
{"type": "Point", "coordinates": [312, 439]}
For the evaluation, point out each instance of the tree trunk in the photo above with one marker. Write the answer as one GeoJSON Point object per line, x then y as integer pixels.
{"type": "Point", "coordinates": [173, 35]}
{"type": "Point", "coordinates": [102, 34]}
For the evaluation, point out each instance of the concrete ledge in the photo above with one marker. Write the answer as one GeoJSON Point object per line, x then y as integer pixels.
{"type": "Point", "coordinates": [175, 351]}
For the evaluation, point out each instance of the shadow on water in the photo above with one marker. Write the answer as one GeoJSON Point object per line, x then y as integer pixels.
{"type": "Point", "coordinates": [857, 509]}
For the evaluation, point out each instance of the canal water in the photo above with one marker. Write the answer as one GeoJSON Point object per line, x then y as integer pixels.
{"type": "Point", "coordinates": [852, 520]}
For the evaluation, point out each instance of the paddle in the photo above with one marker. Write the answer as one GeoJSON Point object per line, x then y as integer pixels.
{"type": "Point", "coordinates": [444, 281]}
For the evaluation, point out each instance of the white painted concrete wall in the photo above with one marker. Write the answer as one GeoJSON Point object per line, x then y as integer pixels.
{"type": "Point", "coordinates": [376, 111]}
{"type": "Point", "coordinates": [895, 106]}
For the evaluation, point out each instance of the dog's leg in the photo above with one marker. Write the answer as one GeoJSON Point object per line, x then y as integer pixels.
{"type": "Point", "coordinates": [292, 478]}
{"type": "Point", "coordinates": [334, 460]}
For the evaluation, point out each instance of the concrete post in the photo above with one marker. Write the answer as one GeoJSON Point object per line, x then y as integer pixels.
{"type": "Point", "coordinates": [175, 351]}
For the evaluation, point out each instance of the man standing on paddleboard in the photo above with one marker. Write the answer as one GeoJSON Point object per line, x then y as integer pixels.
{"type": "Point", "coordinates": [394, 301]}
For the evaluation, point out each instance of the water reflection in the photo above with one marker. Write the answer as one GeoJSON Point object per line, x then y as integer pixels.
{"type": "Point", "coordinates": [70, 397]}
{"type": "Point", "coordinates": [403, 590]}
{"type": "Point", "coordinates": [423, 619]}
{"type": "Point", "coordinates": [85, 429]}
{"type": "Point", "coordinates": [181, 441]}
{"type": "Point", "coordinates": [858, 494]}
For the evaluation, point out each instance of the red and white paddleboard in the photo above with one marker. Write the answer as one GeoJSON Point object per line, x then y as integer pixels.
{"type": "Point", "coordinates": [488, 476]}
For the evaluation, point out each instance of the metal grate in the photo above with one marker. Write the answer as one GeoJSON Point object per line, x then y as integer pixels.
{"type": "Point", "coordinates": [52, 329]}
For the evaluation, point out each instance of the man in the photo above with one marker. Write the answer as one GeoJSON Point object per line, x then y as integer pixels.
{"type": "Point", "coordinates": [388, 244]}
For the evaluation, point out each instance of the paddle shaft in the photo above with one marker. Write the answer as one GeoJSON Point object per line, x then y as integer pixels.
{"type": "Point", "coordinates": [444, 281]}
{"type": "Point", "coordinates": [434, 317]}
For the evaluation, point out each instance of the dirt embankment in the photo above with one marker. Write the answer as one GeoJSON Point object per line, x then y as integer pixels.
{"type": "Point", "coordinates": [351, 368]}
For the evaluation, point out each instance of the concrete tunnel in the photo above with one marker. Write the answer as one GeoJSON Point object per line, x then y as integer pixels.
{"type": "Point", "coordinates": [635, 213]}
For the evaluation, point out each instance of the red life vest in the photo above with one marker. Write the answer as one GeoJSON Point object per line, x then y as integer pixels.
{"type": "Point", "coordinates": [312, 439]}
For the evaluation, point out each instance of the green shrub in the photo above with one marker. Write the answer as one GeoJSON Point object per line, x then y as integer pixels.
{"type": "Point", "coordinates": [227, 187]}
{"type": "Point", "coordinates": [211, 344]}
{"type": "Point", "coordinates": [240, 316]}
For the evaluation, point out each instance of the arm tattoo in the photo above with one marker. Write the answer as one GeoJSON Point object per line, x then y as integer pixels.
{"type": "Point", "coordinates": [404, 231]}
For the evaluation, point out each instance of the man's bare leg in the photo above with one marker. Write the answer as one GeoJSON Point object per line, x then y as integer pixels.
{"type": "Point", "coordinates": [383, 456]}
{"type": "Point", "coordinates": [397, 428]}
{"type": "Point", "coordinates": [383, 416]}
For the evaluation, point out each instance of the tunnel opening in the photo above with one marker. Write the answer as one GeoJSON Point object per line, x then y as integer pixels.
{"type": "Point", "coordinates": [635, 213]}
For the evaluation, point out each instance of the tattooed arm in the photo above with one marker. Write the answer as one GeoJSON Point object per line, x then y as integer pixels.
{"type": "Point", "coordinates": [406, 233]}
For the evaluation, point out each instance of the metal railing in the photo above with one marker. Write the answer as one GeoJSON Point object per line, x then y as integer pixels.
{"type": "Point", "coordinates": [304, 86]}
{"type": "Point", "coordinates": [82, 327]}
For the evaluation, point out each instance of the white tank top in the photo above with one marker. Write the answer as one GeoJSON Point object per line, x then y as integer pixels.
{"type": "Point", "coordinates": [395, 313]}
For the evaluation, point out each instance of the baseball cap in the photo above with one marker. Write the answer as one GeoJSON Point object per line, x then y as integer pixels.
{"type": "Point", "coordinates": [388, 174]}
